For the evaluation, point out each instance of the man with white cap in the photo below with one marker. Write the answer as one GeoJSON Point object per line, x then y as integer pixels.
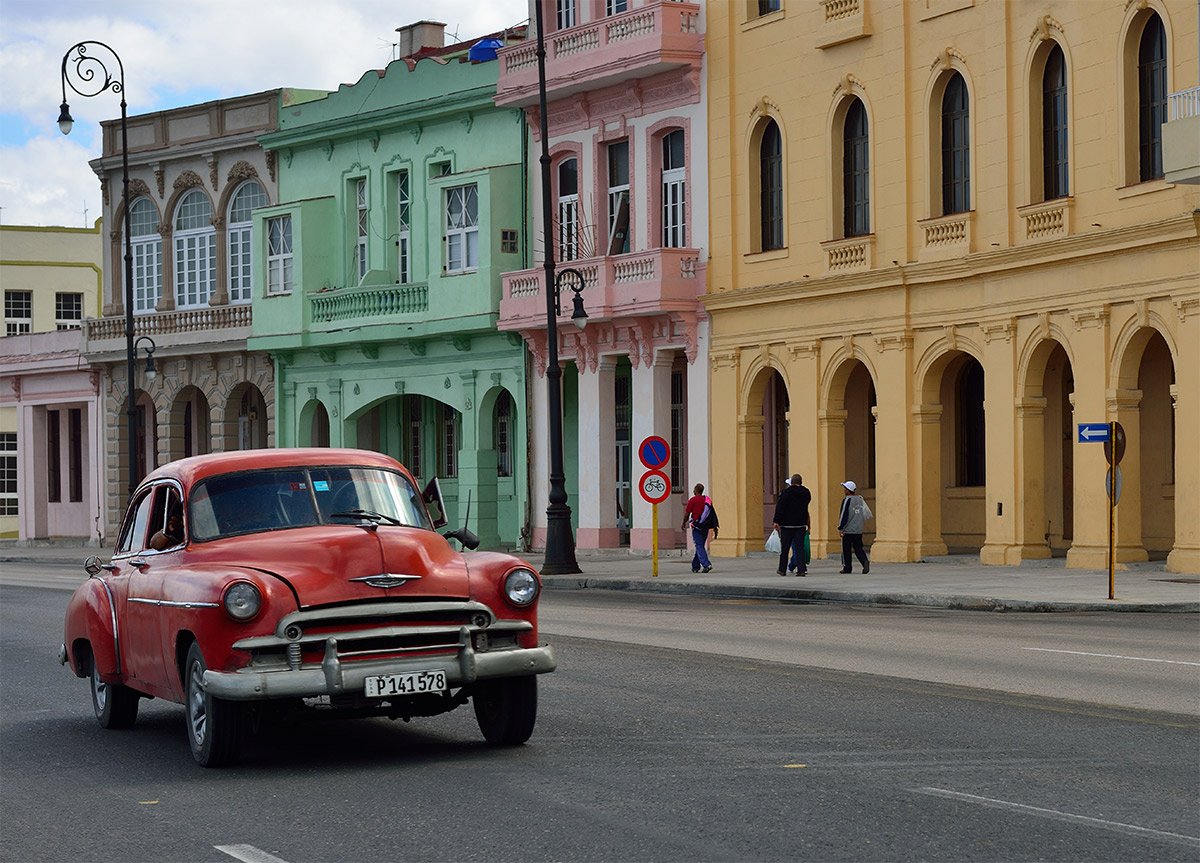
{"type": "Point", "coordinates": [855, 513]}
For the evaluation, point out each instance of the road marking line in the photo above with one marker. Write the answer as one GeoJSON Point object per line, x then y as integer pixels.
{"type": "Point", "coordinates": [248, 854]}
{"type": "Point", "coordinates": [1113, 656]}
{"type": "Point", "coordinates": [1062, 816]}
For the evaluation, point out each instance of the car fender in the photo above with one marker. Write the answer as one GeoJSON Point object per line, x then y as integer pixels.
{"type": "Point", "coordinates": [91, 617]}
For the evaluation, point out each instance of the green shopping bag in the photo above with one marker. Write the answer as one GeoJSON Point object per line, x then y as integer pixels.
{"type": "Point", "coordinates": [807, 549]}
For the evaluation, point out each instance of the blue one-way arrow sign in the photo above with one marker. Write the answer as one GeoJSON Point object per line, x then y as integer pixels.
{"type": "Point", "coordinates": [1093, 432]}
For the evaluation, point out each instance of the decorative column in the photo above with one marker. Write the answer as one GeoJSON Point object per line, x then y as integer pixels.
{"type": "Point", "coordinates": [651, 409]}
{"type": "Point", "coordinates": [598, 457]}
{"type": "Point", "coordinates": [1029, 507]}
{"type": "Point", "coordinates": [1089, 542]}
{"type": "Point", "coordinates": [999, 419]}
{"type": "Point", "coordinates": [827, 498]}
{"type": "Point", "coordinates": [896, 537]}
{"type": "Point", "coordinates": [1125, 406]}
{"type": "Point", "coordinates": [926, 473]}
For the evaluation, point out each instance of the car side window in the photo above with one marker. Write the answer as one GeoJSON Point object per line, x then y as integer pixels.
{"type": "Point", "coordinates": [166, 519]}
{"type": "Point", "coordinates": [133, 537]}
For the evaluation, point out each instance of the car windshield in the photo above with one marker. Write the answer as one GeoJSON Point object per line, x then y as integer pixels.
{"type": "Point", "coordinates": [261, 500]}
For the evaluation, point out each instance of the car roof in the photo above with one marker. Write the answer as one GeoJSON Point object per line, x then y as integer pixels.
{"type": "Point", "coordinates": [195, 468]}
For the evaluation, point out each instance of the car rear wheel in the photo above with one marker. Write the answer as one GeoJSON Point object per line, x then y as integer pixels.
{"type": "Point", "coordinates": [506, 710]}
{"type": "Point", "coordinates": [214, 726]}
{"type": "Point", "coordinates": [116, 706]}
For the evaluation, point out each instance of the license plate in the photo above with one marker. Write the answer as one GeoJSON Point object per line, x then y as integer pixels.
{"type": "Point", "coordinates": [409, 683]}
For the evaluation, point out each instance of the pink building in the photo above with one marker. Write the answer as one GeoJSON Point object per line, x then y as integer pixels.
{"type": "Point", "coordinates": [628, 146]}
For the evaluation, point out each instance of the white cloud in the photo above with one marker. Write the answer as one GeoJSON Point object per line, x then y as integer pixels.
{"type": "Point", "coordinates": [170, 51]}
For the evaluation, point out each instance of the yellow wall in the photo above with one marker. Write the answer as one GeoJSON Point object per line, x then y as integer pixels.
{"type": "Point", "coordinates": [1109, 273]}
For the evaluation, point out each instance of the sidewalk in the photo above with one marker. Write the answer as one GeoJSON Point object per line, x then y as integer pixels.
{"type": "Point", "coordinates": [942, 582]}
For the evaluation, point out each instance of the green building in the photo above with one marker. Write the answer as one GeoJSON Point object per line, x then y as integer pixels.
{"type": "Point", "coordinates": [402, 198]}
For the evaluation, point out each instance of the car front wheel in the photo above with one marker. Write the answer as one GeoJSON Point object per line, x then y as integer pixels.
{"type": "Point", "coordinates": [116, 706]}
{"type": "Point", "coordinates": [506, 710]}
{"type": "Point", "coordinates": [213, 725]}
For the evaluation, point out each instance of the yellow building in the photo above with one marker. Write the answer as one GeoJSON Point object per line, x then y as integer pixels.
{"type": "Point", "coordinates": [940, 239]}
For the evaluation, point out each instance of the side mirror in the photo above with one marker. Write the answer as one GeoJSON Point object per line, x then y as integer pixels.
{"type": "Point", "coordinates": [432, 495]}
{"type": "Point", "coordinates": [465, 536]}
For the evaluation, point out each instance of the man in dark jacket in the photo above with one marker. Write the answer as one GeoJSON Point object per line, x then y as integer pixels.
{"type": "Point", "coordinates": [791, 520]}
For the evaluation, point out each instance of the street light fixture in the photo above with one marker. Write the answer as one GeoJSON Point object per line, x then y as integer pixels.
{"type": "Point", "coordinates": [575, 278]}
{"type": "Point", "coordinates": [560, 542]}
{"type": "Point", "coordinates": [95, 77]}
{"type": "Point", "coordinates": [151, 372]}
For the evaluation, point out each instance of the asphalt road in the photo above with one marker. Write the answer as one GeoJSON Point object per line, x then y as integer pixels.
{"type": "Point", "coordinates": [642, 752]}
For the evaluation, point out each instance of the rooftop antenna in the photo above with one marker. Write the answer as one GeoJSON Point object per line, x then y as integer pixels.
{"type": "Point", "coordinates": [85, 212]}
{"type": "Point", "coordinates": [393, 48]}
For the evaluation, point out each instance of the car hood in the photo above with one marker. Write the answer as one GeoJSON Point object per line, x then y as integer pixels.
{"type": "Point", "coordinates": [330, 563]}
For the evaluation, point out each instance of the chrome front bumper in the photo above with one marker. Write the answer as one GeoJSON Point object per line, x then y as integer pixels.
{"type": "Point", "coordinates": [335, 677]}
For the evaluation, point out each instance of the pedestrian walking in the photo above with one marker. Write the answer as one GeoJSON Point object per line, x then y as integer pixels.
{"type": "Point", "coordinates": [792, 522]}
{"type": "Point", "coordinates": [700, 513]}
{"type": "Point", "coordinates": [854, 515]}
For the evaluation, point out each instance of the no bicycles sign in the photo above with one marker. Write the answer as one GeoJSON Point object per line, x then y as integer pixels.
{"type": "Point", "coordinates": [654, 486]}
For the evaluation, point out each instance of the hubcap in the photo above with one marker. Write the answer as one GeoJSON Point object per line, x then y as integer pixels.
{"type": "Point", "coordinates": [197, 710]}
{"type": "Point", "coordinates": [99, 690]}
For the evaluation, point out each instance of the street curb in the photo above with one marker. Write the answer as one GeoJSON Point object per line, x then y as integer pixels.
{"type": "Point", "coordinates": [815, 595]}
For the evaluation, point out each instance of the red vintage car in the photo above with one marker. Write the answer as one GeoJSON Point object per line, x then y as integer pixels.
{"type": "Point", "coordinates": [249, 583]}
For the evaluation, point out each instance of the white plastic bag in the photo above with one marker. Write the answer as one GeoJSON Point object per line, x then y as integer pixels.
{"type": "Point", "coordinates": [773, 544]}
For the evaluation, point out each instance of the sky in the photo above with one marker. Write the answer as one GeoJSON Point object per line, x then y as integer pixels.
{"type": "Point", "coordinates": [176, 54]}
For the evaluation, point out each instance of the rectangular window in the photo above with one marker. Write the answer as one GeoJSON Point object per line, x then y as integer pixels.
{"type": "Point", "coordinates": [447, 441]}
{"type": "Point", "coordinates": [360, 205]}
{"type": "Point", "coordinates": [403, 236]}
{"type": "Point", "coordinates": [412, 443]}
{"type": "Point", "coordinates": [462, 229]}
{"type": "Point", "coordinates": [279, 255]}
{"type": "Point", "coordinates": [615, 7]}
{"type": "Point", "coordinates": [147, 274]}
{"type": "Point", "coordinates": [68, 311]}
{"type": "Point", "coordinates": [53, 458]}
{"type": "Point", "coordinates": [568, 210]}
{"type": "Point", "coordinates": [240, 264]}
{"type": "Point", "coordinates": [18, 312]}
{"type": "Point", "coordinates": [678, 427]}
{"type": "Point", "coordinates": [8, 473]}
{"type": "Point", "coordinates": [75, 455]}
{"type": "Point", "coordinates": [618, 198]}
{"type": "Point", "coordinates": [195, 269]}
{"type": "Point", "coordinates": [566, 14]}
{"type": "Point", "coordinates": [674, 192]}
{"type": "Point", "coordinates": [508, 241]}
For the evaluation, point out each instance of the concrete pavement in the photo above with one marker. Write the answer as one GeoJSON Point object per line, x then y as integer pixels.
{"type": "Point", "coordinates": [941, 582]}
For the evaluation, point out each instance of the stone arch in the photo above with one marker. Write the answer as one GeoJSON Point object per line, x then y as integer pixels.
{"type": "Point", "coordinates": [188, 430]}
{"type": "Point", "coordinates": [762, 432]}
{"type": "Point", "coordinates": [244, 418]}
{"type": "Point", "coordinates": [313, 424]}
{"type": "Point", "coordinates": [1045, 446]}
{"type": "Point", "coordinates": [848, 414]}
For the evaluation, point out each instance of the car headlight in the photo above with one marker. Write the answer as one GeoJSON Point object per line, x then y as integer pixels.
{"type": "Point", "coordinates": [521, 587]}
{"type": "Point", "coordinates": [242, 600]}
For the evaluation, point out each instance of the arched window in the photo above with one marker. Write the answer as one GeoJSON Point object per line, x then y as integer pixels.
{"type": "Point", "coordinates": [241, 258]}
{"type": "Point", "coordinates": [147, 255]}
{"type": "Point", "coordinates": [1054, 127]}
{"type": "Point", "coordinates": [568, 209]}
{"type": "Point", "coordinates": [195, 251]}
{"type": "Point", "coordinates": [956, 147]}
{"type": "Point", "coordinates": [674, 191]}
{"type": "Point", "coordinates": [770, 161]}
{"type": "Point", "coordinates": [856, 172]}
{"type": "Point", "coordinates": [1152, 97]}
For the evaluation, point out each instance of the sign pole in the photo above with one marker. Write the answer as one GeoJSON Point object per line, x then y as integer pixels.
{"type": "Point", "coordinates": [1112, 507]}
{"type": "Point", "coordinates": [654, 541]}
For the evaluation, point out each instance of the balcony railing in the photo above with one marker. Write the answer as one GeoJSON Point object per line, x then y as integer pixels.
{"type": "Point", "coordinates": [1184, 104]}
{"type": "Point", "coordinates": [636, 44]}
{"type": "Point", "coordinates": [368, 302]}
{"type": "Point", "coordinates": [203, 320]}
{"type": "Point", "coordinates": [621, 285]}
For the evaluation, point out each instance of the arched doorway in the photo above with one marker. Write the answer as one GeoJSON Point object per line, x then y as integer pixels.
{"type": "Point", "coordinates": [1156, 448]}
{"type": "Point", "coordinates": [313, 427]}
{"type": "Point", "coordinates": [1046, 448]}
{"type": "Point", "coordinates": [189, 431]}
{"type": "Point", "coordinates": [964, 457]}
{"type": "Point", "coordinates": [245, 418]}
{"type": "Point", "coordinates": [775, 465]}
{"type": "Point", "coordinates": [859, 439]}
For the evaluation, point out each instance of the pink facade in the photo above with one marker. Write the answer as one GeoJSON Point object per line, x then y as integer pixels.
{"type": "Point", "coordinates": [626, 123]}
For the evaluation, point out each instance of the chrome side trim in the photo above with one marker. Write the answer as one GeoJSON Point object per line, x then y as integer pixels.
{"type": "Point", "coordinates": [172, 603]}
{"type": "Point", "coordinates": [112, 610]}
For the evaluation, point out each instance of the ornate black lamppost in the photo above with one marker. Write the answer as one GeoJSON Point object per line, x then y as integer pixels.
{"type": "Point", "coordinates": [560, 542]}
{"type": "Point", "coordinates": [95, 77]}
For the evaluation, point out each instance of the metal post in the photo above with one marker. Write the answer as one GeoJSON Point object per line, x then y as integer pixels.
{"type": "Point", "coordinates": [560, 542]}
{"type": "Point", "coordinates": [1112, 508]}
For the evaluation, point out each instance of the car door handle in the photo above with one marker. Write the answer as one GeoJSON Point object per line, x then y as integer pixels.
{"type": "Point", "coordinates": [139, 562]}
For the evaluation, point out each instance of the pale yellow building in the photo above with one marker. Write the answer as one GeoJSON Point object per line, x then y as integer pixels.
{"type": "Point", "coordinates": [51, 281]}
{"type": "Point", "coordinates": [941, 239]}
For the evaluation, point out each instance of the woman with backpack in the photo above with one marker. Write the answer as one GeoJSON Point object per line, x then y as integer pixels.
{"type": "Point", "coordinates": [855, 513]}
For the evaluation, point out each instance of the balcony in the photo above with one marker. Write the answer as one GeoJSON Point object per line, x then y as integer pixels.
{"type": "Point", "coordinates": [336, 309]}
{"type": "Point", "coordinates": [643, 42]}
{"type": "Point", "coordinates": [639, 283]}
{"type": "Point", "coordinates": [1181, 137]}
{"type": "Point", "coordinates": [208, 325]}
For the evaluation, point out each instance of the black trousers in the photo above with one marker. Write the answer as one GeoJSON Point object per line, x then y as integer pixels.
{"type": "Point", "coordinates": [789, 537]}
{"type": "Point", "coordinates": [853, 541]}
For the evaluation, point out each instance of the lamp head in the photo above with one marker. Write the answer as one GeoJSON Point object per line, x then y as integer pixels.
{"type": "Point", "coordinates": [578, 313]}
{"type": "Point", "coordinates": [151, 371]}
{"type": "Point", "coordinates": [64, 119]}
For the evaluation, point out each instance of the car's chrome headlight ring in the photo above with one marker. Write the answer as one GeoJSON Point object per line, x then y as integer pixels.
{"type": "Point", "coordinates": [242, 601]}
{"type": "Point", "coordinates": [521, 587]}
